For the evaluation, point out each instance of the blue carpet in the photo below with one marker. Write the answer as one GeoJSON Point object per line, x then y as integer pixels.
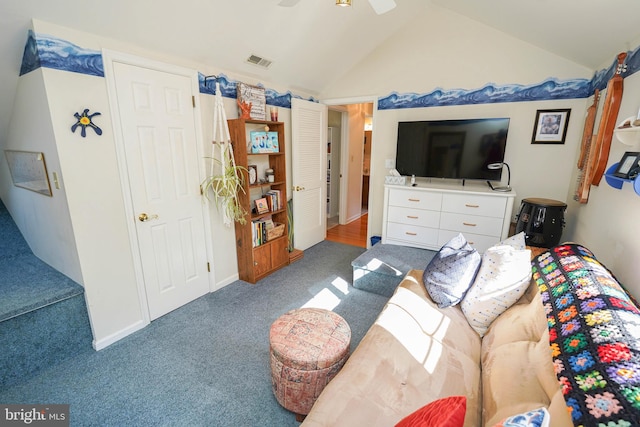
{"type": "Point", "coordinates": [207, 363]}
{"type": "Point", "coordinates": [27, 283]}
{"type": "Point", "coordinates": [43, 315]}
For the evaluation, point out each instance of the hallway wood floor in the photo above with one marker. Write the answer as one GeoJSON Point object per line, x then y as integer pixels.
{"type": "Point", "coordinates": [354, 233]}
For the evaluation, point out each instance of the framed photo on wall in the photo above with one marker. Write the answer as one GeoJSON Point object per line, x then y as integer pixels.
{"type": "Point", "coordinates": [550, 126]}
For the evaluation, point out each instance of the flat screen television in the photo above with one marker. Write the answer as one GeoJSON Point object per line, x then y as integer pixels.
{"type": "Point", "coordinates": [455, 149]}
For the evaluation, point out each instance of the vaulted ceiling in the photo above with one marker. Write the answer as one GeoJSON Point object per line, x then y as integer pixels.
{"type": "Point", "coordinates": [300, 39]}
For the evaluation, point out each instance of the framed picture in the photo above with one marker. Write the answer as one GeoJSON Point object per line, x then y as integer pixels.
{"type": "Point", "coordinates": [628, 164]}
{"type": "Point", "coordinates": [253, 174]}
{"type": "Point", "coordinates": [254, 95]}
{"type": "Point", "coordinates": [264, 142]}
{"type": "Point", "coordinates": [550, 126]}
{"type": "Point", "coordinates": [262, 206]}
{"type": "Point", "coordinates": [28, 170]}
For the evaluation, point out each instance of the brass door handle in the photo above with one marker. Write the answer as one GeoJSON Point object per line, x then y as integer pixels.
{"type": "Point", "coordinates": [143, 217]}
{"type": "Point", "coordinates": [298, 188]}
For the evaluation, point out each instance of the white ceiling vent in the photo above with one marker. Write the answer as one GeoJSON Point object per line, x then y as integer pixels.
{"type": "Point", "coordinates": [259, 61]}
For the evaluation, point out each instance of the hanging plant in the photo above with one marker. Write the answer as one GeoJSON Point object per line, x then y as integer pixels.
{"type": "Point", "coordinates": [224, 187]}
{"type": "Point", "coordinates": [226, 179]}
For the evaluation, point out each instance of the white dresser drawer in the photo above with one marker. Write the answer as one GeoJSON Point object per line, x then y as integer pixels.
{"type": "Point", "coordinates": [415, 199]}
{"type": "Point", "coordinates": [485, 225]}
{"type": "Point", "coordinates": [417, 236]}
{"type": "Point", "coordinates": [421, 217]}
{"type": "Point", "coordinates": [480, 242]}
{"type": "Point", "coordinates": [474, 205]}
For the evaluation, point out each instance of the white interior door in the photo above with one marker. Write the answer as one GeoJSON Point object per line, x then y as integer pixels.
{"type": "Point", "coordinates": [309, 172]}
{"type": "Point", "coordinates": [160, 145]}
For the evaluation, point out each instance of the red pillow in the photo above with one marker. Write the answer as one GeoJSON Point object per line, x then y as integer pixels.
{"type": "Point", "coordinates": [445, 412]}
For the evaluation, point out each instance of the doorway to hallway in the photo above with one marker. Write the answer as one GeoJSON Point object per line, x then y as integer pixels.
{"type": "Point", "coordinates": [353, 233]}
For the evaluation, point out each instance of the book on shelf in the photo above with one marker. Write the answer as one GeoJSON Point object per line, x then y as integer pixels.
{"type": "Point", "coordinates": [274, 199]}
{"type": "Point", "coordinates": [259, 230]}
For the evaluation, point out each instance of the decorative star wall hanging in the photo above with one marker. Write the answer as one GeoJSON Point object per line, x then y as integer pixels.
{"type": "Point", "coordinates": [84, 121]}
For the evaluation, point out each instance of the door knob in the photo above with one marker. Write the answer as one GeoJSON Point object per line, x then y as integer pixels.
{"type": "Point", "coordinates": [145, 217]}
{"type": "Point", "coordinates": [298, 188]}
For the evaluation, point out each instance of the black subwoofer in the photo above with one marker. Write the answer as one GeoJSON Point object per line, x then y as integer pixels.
{"type": "Point", "coordinates": [542, 221]}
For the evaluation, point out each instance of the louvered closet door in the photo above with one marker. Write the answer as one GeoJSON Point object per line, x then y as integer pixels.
{"type": "Point", "coordinates": [309, 172]}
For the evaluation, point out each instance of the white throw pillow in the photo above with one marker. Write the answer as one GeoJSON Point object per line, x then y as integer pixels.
{"type": "Point", "coordinates": [517, 241]}
{"type": "Point", "coordinates": [504, 276]}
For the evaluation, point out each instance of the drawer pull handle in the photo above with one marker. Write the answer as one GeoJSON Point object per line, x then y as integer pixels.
{"type": "Point", "coordinates": [412, 217]}
{"type": "Point", "coordinates": [410, 234]}
{"type": "Point", "coordinates": [471, 206]}
{"type": "Point", "coordinates": [471, 242]}
{"type": "Point", "coordinates": [468, 224]}
{"type": "Point", "coordinates": [414, 200]}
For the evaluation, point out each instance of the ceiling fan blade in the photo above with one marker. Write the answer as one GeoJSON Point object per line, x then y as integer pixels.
{"type": "Point", "coordinates": [382, 6]}
{"type": "Point", "coordinates": [288, 3]}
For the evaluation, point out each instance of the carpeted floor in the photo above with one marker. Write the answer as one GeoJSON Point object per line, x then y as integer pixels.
{"type": "Point", "coordinates": [27, 283]}
{"type": "Point", "coordinates": [207, 363]}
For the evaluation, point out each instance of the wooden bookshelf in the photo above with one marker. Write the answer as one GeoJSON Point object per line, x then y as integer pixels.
{"type": "Point", "coordinates": [259, 257]}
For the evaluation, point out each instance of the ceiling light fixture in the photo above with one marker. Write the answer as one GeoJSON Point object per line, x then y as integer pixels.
{"type": "Point", "coordinates": [343, 3]}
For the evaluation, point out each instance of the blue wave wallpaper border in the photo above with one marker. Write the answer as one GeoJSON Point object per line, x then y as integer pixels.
{"type": "Point", "coordinates": [229, 90]}
{"type": "Point", "coordinates": [490, 93]}
{"type": "Point", "coordinates": [549, 89]}
{"type": "Point", "coordinates": [42, 50]}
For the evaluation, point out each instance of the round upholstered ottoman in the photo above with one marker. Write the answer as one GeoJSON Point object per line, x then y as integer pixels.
{"type": "Point", "coordinates": [308, 348]}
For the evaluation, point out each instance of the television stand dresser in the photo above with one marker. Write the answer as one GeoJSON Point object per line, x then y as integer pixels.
{"type": "Point", "coordinates": [429, 214]}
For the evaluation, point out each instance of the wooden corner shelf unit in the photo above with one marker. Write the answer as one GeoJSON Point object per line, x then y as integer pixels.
{"type": "Point", "coordinates": [259, 256]}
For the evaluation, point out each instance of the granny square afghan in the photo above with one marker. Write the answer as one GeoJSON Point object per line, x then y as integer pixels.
{"type": "Point", "coordinates": [594, 333]}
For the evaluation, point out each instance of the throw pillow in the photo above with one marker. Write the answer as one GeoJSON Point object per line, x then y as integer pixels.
{"type": "Point", "coordinates": [451, 271]}
{"type": "Point", "coordinates": [503, 278]}
{"type": "Point", "coordinates": [445, 412]}
{"type": "Point", "coordinates": [536, 418]}
{"type": "Point", "coordinates": [517, 241]}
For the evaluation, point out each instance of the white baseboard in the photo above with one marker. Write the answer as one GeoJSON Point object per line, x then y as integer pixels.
{"type": "Point", "coordinates": [226, 281]}
{"type": "Point", "coordinates": [107, 341]}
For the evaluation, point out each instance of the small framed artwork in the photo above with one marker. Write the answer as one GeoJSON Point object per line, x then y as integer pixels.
{"type": "Point", "coordinates": [550, 126]}
{"type": "Point", "coordinates": [29, 171]}
{"type": "Point", "coordinates": [254, 95]}
{"type": "Point", "coordinates": [627, 165]}
{"type": "Point", "coordinates": [262, 206]}
{"type": "Point", "coordinates": [253, 174]}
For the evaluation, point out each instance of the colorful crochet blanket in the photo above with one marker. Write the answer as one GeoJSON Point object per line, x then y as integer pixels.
{"type": "Point", "coordinates": [594, 332]}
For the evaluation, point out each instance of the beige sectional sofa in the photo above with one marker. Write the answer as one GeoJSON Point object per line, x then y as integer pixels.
{"type": "Point", "coordinates": [416, 353]}
{"type": "Point", "coordinates": [562, 342]}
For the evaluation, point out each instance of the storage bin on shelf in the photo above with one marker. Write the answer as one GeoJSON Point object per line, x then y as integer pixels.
{"type": "Point", "coordinates": [275, 232]}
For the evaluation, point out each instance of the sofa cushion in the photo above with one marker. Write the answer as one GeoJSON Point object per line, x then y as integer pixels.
{"type": "Point", "coordinates": [451, 271]}
{"type": "Point", "coordinates": [445, 412]}
{"type": "Point", "coordinates": [517, 371]}
{"type": "Point", "coordinates": [503, 278]}
{"type": "Point", "coordinates": [414, 353]}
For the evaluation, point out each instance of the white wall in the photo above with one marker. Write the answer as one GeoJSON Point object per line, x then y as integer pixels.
{"type": "Point", "coordinates": [450, 51]}
{"type": "Point", "coordinates": [353, 161]}
{"type": "Point", "coordinates": [43, 221]}
{"type": "Point", "coordinates": [91, 182]}
{"type": "Point", "coordinates": [335, 122]}
{"type": "Point", "coordinates": [608, 223]}
{"type": "Point", "coordinates": [83, 231]}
